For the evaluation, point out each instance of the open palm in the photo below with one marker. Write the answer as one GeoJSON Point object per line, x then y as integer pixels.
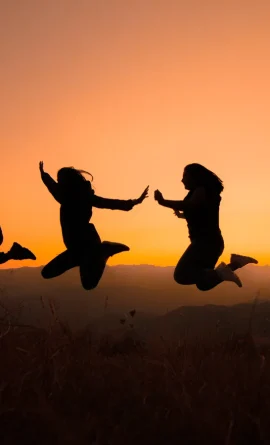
{"type": "Point", "coordinates": [143, 195]}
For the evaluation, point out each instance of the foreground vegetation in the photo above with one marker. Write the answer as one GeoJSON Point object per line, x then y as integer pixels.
{"type": "Point", "coordinates": [59, 387]}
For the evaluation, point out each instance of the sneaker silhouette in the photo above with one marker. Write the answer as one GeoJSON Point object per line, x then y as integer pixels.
{"type": "Point", "coordinates": [242, 260]}
{"type": "Point", "coordinates": [226, 274]}
{"type": "Point", "coordinates": [109, 248]}
{"type": "Point", "coordinates": [18, 252]}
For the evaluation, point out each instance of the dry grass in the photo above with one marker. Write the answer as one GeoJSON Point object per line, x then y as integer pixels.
{"type": "Point", "coordinates": [57, 387]}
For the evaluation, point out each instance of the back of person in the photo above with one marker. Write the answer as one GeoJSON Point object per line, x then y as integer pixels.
{"type": "Point", "coordinates": [203, 221]}
{"type": "Point", "coordinates": [75, 214]}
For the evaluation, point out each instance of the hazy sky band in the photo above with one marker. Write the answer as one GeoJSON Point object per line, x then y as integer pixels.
{"type": "Point", "coordinates": [132, 92]}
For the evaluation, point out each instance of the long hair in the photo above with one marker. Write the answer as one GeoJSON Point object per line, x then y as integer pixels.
{"type": "Point", "coordinates": [72, 181]}
{"type": "Point", "coordinates": [204, 177]}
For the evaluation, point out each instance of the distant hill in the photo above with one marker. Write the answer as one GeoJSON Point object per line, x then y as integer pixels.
{"type": "Point", "coordinates": [214, 319]}
{"type": "Point", "coordinates": [147, 288]}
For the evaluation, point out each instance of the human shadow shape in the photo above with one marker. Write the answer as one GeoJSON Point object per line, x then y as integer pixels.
{"type": "Point", "coordinates": [200, 209]}
{"type": "Point", "coordinates": [85, 249]}
{"type": "Point", "coordinates": [17, 252]}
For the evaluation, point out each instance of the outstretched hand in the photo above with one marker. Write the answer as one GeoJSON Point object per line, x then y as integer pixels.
{"type": "Point", "coordinates": [158, 196]}
{"type": "Point", "coordinates": [143, 196]}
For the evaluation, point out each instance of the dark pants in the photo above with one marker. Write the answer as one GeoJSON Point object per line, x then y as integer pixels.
{"type": "Point", "coordinates": [196, 266]}
{"type": "Point", "coordinates": [87, 255]}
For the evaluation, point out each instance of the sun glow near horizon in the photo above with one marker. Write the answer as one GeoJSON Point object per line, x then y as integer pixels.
{"type": "Point", "coordinates": [133, 93]}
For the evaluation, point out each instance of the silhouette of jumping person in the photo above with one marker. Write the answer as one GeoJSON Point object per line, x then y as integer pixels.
{"type": "Point", "coordinates": [17, 252]}
{"type": "Point", "coordinates": [84, 247]}
{"type": "Point", "coordinates": [200, 208]}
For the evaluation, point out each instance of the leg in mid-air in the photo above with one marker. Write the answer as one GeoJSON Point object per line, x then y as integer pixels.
{"type": "Point", "coordinates": [110, 248]}
{"type": "Point", "coordinates": [60, 264]}
{"type": "Point", "coordinates": [94, 255]}
{"type": "Point", "coordinates": [197, 264]}
{"type": "Point", "coordinates": [70, 258]}
{"type": "Point", "coordinates": [90, 255]}
{"type": "Point", "coordinates": [4, 257]}
{"type": "Point", "coordinates": [238, 261]}
{"type": "Point", "coordinates": [17, 252]}
{"type": "Point", "coordinates": [92, 265]}
{"type": "Point", "coordinates": [93, 261]}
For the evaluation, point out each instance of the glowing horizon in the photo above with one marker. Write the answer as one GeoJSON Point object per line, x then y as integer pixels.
{"type": "Point", "coordinates": [133, 93]}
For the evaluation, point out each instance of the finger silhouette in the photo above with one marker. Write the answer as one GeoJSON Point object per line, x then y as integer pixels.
{"type": "Point", "coordinates": [41, 166]}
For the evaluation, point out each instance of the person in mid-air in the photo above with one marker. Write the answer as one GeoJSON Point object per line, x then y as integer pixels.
{"type": "Point", "coordinates": [17, 252]}
{"type": "Point", "coordinates": [200, 208]}
{"type": "Point", "coordinates": [84, 247]}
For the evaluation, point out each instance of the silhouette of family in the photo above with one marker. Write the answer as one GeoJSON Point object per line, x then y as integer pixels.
{"type": "Point", "coordinates": [84, 248]}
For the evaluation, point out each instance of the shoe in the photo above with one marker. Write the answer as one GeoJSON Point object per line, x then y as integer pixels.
{"type": "Point", "coordinates": [242, 260]}
{"type": "Point", "coordinates": [17, 252]}
{"type": "Point", "coordinates": [111, 249]}
{"type": "Point", "coordinates": [226, 274]}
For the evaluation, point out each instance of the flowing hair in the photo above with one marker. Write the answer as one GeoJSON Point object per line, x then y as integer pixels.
{"type": "Point", "coordinates": [86, 173]}
{"type": "Point", "coordinates": [204, 177]}
{"type": "Point", "coordinates": [71, 180]}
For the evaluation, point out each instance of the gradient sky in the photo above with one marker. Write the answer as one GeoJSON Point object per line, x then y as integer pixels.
{"type": "Point", "coordinates": [133, 90]}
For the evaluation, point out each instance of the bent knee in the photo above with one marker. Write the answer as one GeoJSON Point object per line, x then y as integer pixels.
{"type": "Point", "coordinates": [182, 277]}
{"type": "Point", "coordinates": [89, 284]}
{"type": "Point", "coordinates": [202, 287]}
{"type": "Point", "coordinates": [45, 273]}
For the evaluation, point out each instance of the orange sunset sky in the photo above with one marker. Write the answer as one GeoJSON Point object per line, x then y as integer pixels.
{"type": "Point", "coordinates": [133, 90]}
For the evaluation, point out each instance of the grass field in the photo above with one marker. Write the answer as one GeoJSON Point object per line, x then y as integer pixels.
{"type": "Point", "coordinates": [59, 387]}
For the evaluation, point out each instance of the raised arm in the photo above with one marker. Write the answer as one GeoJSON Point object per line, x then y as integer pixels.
{"type": "Point", "coordinates": [50, 183]}
{"type": "Point", "coordinates": [118, 204]}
